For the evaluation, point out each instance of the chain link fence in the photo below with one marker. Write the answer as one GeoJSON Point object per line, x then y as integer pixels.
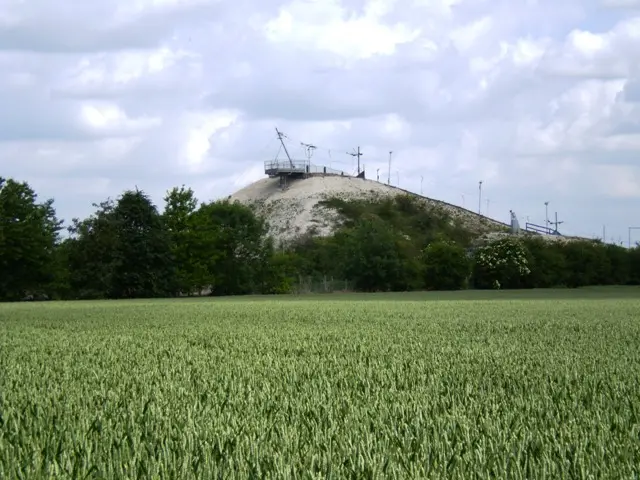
{"type": "Point", "coordinates": [308, 284]}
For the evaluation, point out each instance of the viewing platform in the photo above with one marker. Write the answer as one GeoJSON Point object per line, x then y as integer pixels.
{"type": "Point", "coordinates": [298, 169]}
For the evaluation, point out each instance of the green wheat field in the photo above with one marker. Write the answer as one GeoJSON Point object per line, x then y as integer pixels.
{"type": "Point", "coordinates": [458, 386]}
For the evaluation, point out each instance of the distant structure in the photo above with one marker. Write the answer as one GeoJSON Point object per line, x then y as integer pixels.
{"type": "Point", "coordinates": [289, 169]}
{"type": "Point", "coordinates": [515, 225]}
{"type": "Point", "coordinates": [532, 227]}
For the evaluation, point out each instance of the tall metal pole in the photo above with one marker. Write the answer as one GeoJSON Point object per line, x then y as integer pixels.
{"type": "Point", "coordinates": [546, 215]}
{"type": "Point", "coordinates": [421, 180]}
{"type": "Point", "coordinates": [389, 174]}
{"type": "Point", "coordinates": [555, 225]}
{"type": "Point", "coordinates": [632, 228]}
{"type": "Point", "coordinates": [479, 197]}
{"type": "Point", "coordinates": [280, 137]}
{"type": "Point", "coordinates": [357, 154]}
{"type": "Point", "coordinates": [398, 175]}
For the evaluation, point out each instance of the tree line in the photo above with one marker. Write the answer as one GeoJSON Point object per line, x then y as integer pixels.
{"type": "Point", "coordinates": [127, 248]}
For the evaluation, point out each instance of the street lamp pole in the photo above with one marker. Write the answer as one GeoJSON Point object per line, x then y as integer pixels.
{"type": "Point", "coordinates": [479, 197]}
{"type": "Point", "coordinates": [632, 228]}
{"type": "Point", "coordinates": [546, 215]}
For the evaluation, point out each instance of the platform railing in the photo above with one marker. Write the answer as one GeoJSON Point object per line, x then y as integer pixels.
{"type": "Point", "coordinates": [299, 166]}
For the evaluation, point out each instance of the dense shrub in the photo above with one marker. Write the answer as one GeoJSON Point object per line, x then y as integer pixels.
{"type": "Point", "coordinates": [446, 266]}
{"type": "Point", "coordinates": [547, 263]}
{"type": "Point", "coordinates": [502, 263]}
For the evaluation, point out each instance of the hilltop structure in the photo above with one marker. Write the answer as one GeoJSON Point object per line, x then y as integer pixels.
{"type": "Point", "coordinates": [290, 199]}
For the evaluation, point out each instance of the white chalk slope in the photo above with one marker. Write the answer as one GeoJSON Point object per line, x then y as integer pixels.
{"type": "Point", "coordinates": [295, 211]}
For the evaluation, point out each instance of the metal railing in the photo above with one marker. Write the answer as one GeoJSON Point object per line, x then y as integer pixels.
{"type": "Point", "coordinates": [299, 166]}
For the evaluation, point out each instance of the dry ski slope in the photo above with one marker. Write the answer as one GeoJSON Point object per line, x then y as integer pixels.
{"type": "Point", "coordinates": [295, 211]}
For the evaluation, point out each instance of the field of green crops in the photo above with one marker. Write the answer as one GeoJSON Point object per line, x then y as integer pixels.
{"type": "Point", "coordinates": [327, 387]}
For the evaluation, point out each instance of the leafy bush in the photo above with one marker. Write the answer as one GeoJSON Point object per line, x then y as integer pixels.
{"type": "Point", "coordinates": [503, 263]}
{"type": "Point", "coordinates": [547, 263]}
{"type": "Point", "coordinates": [446, 266]}
{"type": "Point", "coordinates": [373, 259]}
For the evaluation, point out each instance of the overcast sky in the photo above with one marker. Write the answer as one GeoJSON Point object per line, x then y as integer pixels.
{"type": "Point", "coordinates": [539, 99]}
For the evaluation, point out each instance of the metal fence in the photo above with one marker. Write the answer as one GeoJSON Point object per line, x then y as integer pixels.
{"type": "Point", "coordinates": [299, 166]}
{"type": "Point", "coordinates": [320, 285]}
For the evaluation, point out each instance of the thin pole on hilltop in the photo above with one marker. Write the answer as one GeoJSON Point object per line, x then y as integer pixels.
{"type": "Point", "coordinates": [546, 214]}
{"type": "Point", "coordinates": [632, 228]}
{"type": "Point", "coordinates": [358, 154]}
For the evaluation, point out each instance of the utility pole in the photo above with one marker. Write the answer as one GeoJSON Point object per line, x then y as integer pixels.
{"type": "Point", "coordinates": [546, 214]}
{"type": "Point", "coordinates": [556, 223]}
{"type": "Point", "coordinates": [421, 179]}
{"type": "Point", "coordinates": [604, 234]}
{"type": "Point", "coordinates": [389, 174]}
{"type": "Point", "coordinates": [479, 197]}
{"type": "Point", "coordinates": [356, 154]}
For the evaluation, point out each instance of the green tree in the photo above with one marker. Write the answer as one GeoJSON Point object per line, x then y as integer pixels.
{"type": "Point", "coordinates": [61, 284]}
{"type": "Point", "coordinates": [28, 236]}
{"type": "Point", "coordinates": [91, 253]}
{"type": "Point", "coordinates": [372, 257]}
{"type": "Point", "coordinates": [546, 262]}
{"type": "Point", "coordinates": [229, 246]}
{"type": "Point", "coordinates": [446, 266]}
{"type": "Point", "coordinates": [143, 266]}
{"type": "Point", "coordinates": [633, 256]}
{"type": "Point", "coordinates": [620, 265]}
{"type": "Point", "coordinates": [277, 272]}
{"type": "Point", "coordinates": [587, 263]}
{"type": "Point", "coordinates": [180, 204]}
{"type": "Point", "coordinates": [122, 250]}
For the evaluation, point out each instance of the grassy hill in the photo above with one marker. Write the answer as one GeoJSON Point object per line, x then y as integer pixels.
{"type": "Point", "coordinates": [318, 205]}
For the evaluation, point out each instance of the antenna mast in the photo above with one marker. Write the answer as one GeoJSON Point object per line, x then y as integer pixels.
{"type": "Point", "coordinates": [309, 150]}
{"type": "Point", "coordinates": [356, 154]}
{"type": "Point", "coordinates": [280, 137]}
{"type": "Point", "coordinates": [555, 224]}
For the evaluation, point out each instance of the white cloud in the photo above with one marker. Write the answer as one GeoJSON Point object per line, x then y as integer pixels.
{"type": "Point", "coordinates": [539, 99]}
{"type": "Point", "coordinates": [622, 4]}
{"type": "Point", "coordinates": [327, 26]}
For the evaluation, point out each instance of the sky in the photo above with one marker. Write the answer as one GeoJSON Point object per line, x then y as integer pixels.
{"type": "Point", "coordinates": [538, 99]}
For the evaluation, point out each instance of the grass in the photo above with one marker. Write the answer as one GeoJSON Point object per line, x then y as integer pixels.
{"type": "Point", "coordinates": [473, 385]}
